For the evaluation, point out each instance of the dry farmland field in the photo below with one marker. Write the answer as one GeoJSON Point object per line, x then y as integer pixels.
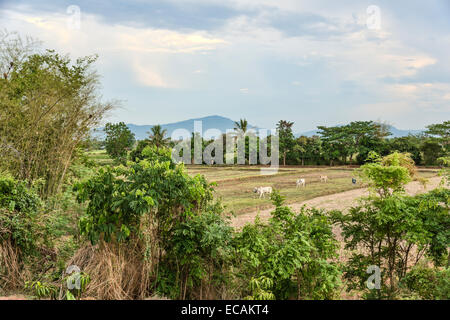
{"type": "Point", "coordinates": [235, 184]}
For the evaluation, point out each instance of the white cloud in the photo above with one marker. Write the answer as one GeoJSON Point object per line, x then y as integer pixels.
{"type": "Point", "coordinates": [328, 56]}
{"type": "Point", "coordinates": [141, 49]}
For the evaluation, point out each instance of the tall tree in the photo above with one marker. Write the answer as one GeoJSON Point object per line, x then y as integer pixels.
{"type": "Point", "coordinates": [356, 137]}
{"type": "Point", "coordinates": [48, 105]}
{"type": "Point", "coordinates": [441, 131]}
{"type": "Point", "coordinates": [335, 143]}
{"type": "Point", "coordinates": [307, 149]}
{"type": "Point", "coordinates": [157, 136]}
{"type": "Point", "coordinates": [286, 138]}
{"type": "Point", "coordinates": [119, 139]}
{"type": "Point", "coordinates": [242, 124]}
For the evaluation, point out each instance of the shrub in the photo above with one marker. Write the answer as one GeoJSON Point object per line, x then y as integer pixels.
{"type": "Point", "coordinates": [18, 229]}
{"type": "Point", "coordinates": [391, 230]}
{"type": "Point", "coordinates": [199, 255]}
{"type": "Point", "coordinates": [141, 209]}
{"type": "Point", "coordinates": [291, 255]}
{"type": "Point", "coordinates": [427, 283]}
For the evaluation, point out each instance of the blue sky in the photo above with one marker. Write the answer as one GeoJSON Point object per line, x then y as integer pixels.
{"type": "Point", "coordinates": [312, 62]}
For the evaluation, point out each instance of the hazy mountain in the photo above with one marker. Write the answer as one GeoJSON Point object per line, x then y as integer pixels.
{"type": "Point", "coordinates": [221, 123]}
{"type": "Point", "coordinates": [210, 122]}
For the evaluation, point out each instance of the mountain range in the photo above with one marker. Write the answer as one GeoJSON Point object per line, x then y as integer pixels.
{"type": "Point", "coordinates": [221, 123]}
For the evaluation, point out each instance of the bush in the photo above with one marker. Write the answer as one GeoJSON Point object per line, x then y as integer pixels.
{"type": "Point", "coordinates": [391, 230]}
{"type": "Point", "coordinates": [427, 283]}
{"type": "Point", "coordinates": [199, 254]}
{"type": "Point", "coordinates": [19, 230]}
{"type": "Point", "coordinates": [291, 256]}
{"type": "Point", "coordinates": [141, 210]}
{"type": "Point", "coordinates": [18, 212]}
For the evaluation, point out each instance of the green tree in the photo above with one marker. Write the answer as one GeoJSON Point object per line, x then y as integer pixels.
{"type": "Point", "coordinates": [307, 149]}
{"type": "Point", "coordinates": [335, 143]}
{"type": "Point", "coordinates": [157, 137]}
{"type": "Point", "coordinates": [391, 230]}
{"type": "Point", "coordinates": [442, 132]}
{"type": "Point", "coordinates": [48, 105]}
{"type": "Point", "coordinates": [119, 139]}
{"type": "Point", "coordinates": [432, 149]}
{"type": "Point", "coordinates": [359, 137]}
{"type": "Point", "coordinates": [241, 125]}
{"type": "Point", "coordinates": [286, 138]}
{"type": "Point", "coordinates": [410, 144]}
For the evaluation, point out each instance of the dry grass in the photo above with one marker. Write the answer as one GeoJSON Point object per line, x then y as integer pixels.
{"type": "Point", "coordinates": [13, 273]}
{"type": "Point", "coordinates": [117, 272]}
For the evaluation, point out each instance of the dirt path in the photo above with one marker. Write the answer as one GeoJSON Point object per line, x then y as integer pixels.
{"type": "Point", "coordinates": [339, 201]}
{"type": "Point", "coordinates": [14, 297]}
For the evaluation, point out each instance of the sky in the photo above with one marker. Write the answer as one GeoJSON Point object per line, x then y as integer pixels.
{"type": "Point", "coordinates": [312, 62]}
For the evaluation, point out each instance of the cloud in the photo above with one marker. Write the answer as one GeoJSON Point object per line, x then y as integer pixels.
{"type": "Point", "coordinates": [145, 51]}
{"type": "Point", "coordinates": [272, 47]}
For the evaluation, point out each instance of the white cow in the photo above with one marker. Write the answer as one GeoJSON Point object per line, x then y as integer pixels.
{"type": "Point", "coordinates": [301, 182]}
{"type": "Point", "coordinates": [262, 191]}
{"type": "Point", "coordinates": [323, 178]}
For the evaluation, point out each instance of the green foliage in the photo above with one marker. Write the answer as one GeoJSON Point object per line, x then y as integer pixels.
{"type": "Point", "coordinates": [136, 154]}
{"type": "Point", "coordinates": [286, 138]}
{"type": "Point", "coordinates": [171, 215]}
{"type": "Point", "coordinates": [241, 125]}
{"type": "Point", "coordinates": [42, 289]}
{"type": "Point", "coordinates": [392, 230]}
{"type": "Point", "coordinates": [260, 289]}
{"type": "Point", "coordinates": [119, 139]}
{"type": "Point", "coordinates": [293, 251]}
{"type": "Point", "coordinates": [157, 137]}
{"type": "Point", "coordinates": [19, 206]}
{"type": "Point", "coordinates": [199, 252]}
{"type": "Point", "coordinates": [359, 137]}
{"type": "Point", "coordinates": [77, 278]}
{"type": "Point", "coordinates": [441, 131]}
{"type": "Point", "coordinates": [427, 283]}
{"type": "Point", "coordinates": [432, 150]}
{"type": "Point", "coordinates": [445, 171]}
{"type": "Point", "coordinates": [48, 105]}
{"type": "Point", "coordinates": [387, 175]}
{"type": "Point", "coordinates": [308, 150]}
{"type": "Point", "coordinates": [410, 144]}
{"type": "Point", "coordinates": [392, 233]}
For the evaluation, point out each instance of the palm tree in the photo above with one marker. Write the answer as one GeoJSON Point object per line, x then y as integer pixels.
{"type": "Point", "coordinates": [241, 125]}
{"type": "Point", "coordinates": [156, 137]}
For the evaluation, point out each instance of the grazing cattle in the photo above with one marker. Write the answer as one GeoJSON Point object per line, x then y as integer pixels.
{"type": "Point", "coordinates": [262, 191]}
{"type": "Point", "coordinates": [353, 180]}
{"type": "Point", "coordinates": [323, 178]}
{"type": "Point", "coordinates": [301, 182]}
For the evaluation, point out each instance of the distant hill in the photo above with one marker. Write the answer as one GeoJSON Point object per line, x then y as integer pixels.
{"type": "Point", "coordinates": [217, 122]}
{"type": "Point", "coordinates": [395, 132]}
{"type": "Point", "coordinates": [210, 122]}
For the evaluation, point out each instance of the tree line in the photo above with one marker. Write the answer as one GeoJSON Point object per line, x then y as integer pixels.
{"type": "Point", "coordinates": [336, 145]}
